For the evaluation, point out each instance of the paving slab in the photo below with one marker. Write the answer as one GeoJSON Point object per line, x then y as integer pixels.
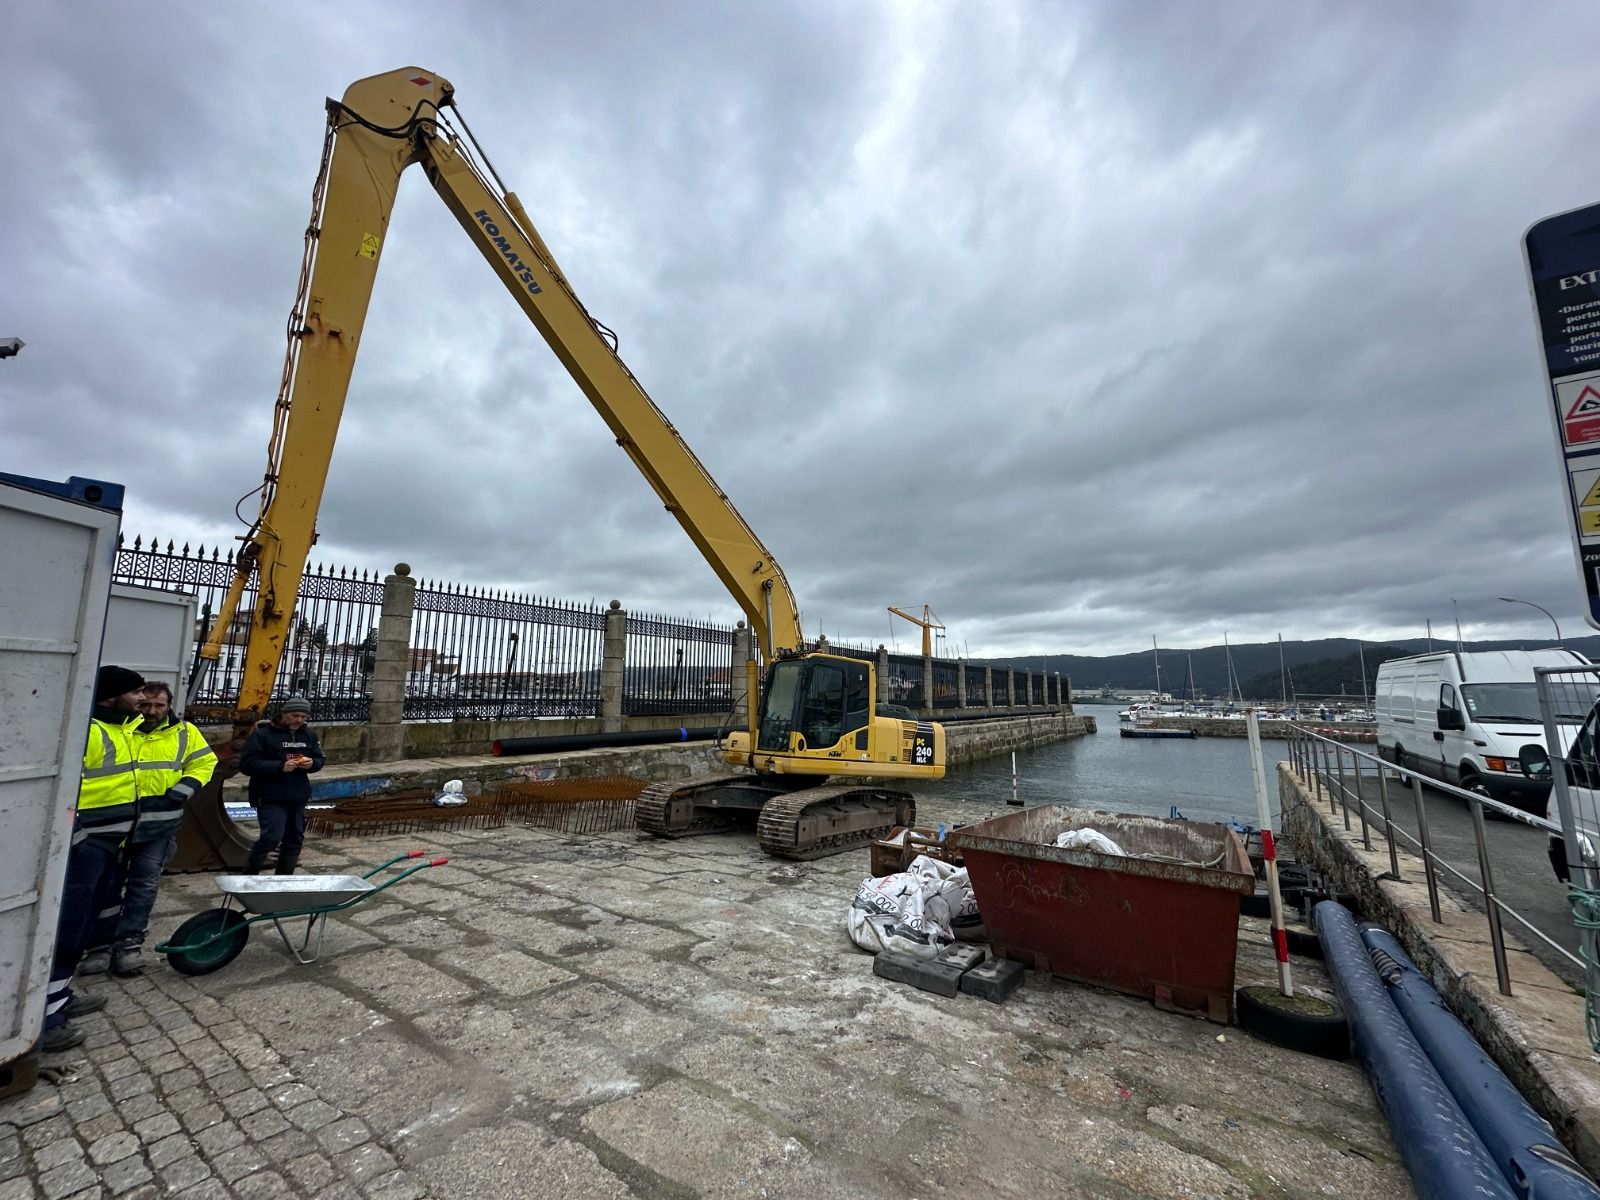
{"type": "Point", "coordinates": [613, 1016]}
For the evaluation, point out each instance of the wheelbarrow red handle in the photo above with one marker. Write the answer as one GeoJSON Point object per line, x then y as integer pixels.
{"type": "Point", "coordinates": [415, 853]}
{"type": "Point", "coordinates": [438, 862]}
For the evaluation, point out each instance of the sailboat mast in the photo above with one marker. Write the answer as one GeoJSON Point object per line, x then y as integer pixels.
{"type": "Point", "coordinates": [1155, 650]}
{"type": "Point", "coordinates": [1283, 674]}
{"type": "Point", "coordinates": [1227, 654]}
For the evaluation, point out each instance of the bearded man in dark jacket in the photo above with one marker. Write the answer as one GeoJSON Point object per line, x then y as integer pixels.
{"type": "Point", "coordinates": [277, 757]}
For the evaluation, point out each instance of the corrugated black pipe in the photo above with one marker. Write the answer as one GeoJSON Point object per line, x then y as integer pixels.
{"type": "Point", "coordinates": [599, 741]}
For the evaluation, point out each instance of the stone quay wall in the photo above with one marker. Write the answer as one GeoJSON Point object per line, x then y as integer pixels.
{"type": "Point", "coordinates": [965, 742]}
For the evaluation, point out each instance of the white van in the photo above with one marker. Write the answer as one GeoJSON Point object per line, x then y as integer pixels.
{"type": "Point", "coordinates": [1464, 718]}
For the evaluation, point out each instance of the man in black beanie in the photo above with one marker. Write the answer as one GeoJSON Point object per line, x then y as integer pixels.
{"type": "Point", "coordinates": [278, 756]}
{"type": "Point", "coordinates": [108, 795]}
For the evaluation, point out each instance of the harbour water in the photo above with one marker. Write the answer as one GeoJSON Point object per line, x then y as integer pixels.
{"type": "Point", "coordinates": [1207, 778]}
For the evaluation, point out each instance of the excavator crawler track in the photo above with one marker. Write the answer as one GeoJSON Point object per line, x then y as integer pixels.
{"type": "Point", "coordinates": [668, 809]}
{"type": "Point", "coordinates": [820, 821]}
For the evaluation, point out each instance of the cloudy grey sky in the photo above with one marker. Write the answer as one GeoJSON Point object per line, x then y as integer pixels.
{"type": "Point", "coordinates": [1079, 322]}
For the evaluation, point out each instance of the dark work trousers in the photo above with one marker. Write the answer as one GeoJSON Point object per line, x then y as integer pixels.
{"type": "Point", "coordinates": [89, 892]}
{"type": "Point", "coordinates": [138, 877]}
{"type": "Point", "coordinates": [283, 826]}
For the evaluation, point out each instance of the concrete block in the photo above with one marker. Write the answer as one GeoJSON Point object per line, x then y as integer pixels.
{"type": "Point", "coordinates": [994, 980]}
{"type": "Point", "coordinates": [963, 955]}
{"type": "Point", "coordinates": [931, 975]}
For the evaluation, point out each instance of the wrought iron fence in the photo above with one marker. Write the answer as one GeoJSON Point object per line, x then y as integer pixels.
{"type": "Point", "coordinates": [481, 654]}
{"type": "Point", "coordinates": [905, 680]}
{"type": "Point", "coordinates": [475, 653]}
{"type": "Point", "coordinates": [328, 653]}
{"type": "Point", "coordinates": [676, 667]}
{"type": "Point", "coordinates": [864, 653]}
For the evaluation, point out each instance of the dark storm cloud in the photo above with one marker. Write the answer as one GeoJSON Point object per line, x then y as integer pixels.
{"type": "Point", "coordinates": [1078, 324]}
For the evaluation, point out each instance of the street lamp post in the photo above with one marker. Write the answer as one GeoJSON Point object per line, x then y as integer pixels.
{"type": "Point", "coordinates": [1540, 607]}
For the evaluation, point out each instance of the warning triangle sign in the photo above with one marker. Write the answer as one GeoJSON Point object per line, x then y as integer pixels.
{"type": "Point", "coordinates": [1592, 498]}
{"type": "Point", "coordinates": [1587, 404]}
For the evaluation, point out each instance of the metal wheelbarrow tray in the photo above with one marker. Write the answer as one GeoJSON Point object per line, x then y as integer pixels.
{"type": "Point", "coordinates": [211, 940]}
{"type": "Point", "coordinates": [1160, 922]}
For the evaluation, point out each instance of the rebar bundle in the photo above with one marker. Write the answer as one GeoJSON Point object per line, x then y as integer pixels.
{"type": "Point", "coordinates": [409, 811]}
{"type": "Point", "coordinates": [600, 805]}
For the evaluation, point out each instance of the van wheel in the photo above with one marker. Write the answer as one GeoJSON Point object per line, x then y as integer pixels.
{"type": "Point", "coordinates": [1399, 761]}
{"type": "Point", "coordinates": [1476, 786]}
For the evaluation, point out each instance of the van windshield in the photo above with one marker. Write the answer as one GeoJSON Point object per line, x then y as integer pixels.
{"type": "Point", "coordinates": [1514, 702]}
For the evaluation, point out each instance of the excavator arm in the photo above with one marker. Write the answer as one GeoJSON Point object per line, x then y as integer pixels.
{"type": "Point", "coordinates": [383, 125]}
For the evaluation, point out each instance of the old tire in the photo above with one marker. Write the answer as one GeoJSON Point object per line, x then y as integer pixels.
{"type": "Point", "coordinates": [1303, 1023]}
{"type": "Point", "coordinates": [1259, 904]}
{"type": "Point", "coordinates": [1303, 942]}
{"type": "Point", "coordinates": [208, 941]}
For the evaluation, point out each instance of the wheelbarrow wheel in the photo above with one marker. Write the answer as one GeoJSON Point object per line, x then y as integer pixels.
{"type": "Point", "coordinates": [208, 941]}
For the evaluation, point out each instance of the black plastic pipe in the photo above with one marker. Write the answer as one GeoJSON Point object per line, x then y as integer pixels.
{"type": "Point", "coordinates": [599, 741]}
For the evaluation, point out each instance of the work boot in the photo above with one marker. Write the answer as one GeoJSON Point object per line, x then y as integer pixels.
{"type": "Point", "coordinates": [82, 1004]}
{"type": "Point", "coordinates": [62, 1037]}
{"type": "Point", "coordinates": [128, 960]}
{"type": "Point", "coordinates": [96, 962]}
{"type": "Point", "coordinates": [288, 860]}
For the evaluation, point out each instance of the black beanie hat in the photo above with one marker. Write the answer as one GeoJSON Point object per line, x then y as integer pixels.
{"type": "Point", "coordinates": [114, 681]}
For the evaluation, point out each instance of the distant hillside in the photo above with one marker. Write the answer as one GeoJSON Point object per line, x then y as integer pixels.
{"type": "Point", "coordinates": [1252, 662]}
{"type": "Point", "coordinates": [1325, 676]}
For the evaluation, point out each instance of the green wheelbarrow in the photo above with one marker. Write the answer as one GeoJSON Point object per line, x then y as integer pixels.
{"type": "Point", "coordinates": [211, 940]}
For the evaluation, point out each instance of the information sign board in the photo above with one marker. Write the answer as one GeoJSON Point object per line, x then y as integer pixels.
{"type": "Point", "coordinates": [1563, 257]}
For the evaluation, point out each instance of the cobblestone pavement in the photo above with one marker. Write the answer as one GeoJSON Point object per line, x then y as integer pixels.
{"type": "Point", "coordinates": [614, 1016]}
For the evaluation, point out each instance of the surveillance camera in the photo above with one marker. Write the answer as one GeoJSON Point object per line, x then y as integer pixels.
{"type": "Point", "coordinates": [10, 346]}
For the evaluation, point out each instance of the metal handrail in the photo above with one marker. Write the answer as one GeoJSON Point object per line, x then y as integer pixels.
{"type": "Point", "coordinates": [1309, 754]}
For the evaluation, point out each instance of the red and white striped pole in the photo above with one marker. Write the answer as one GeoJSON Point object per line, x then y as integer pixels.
{"type": "Point", "coordinates": [1269, 853]}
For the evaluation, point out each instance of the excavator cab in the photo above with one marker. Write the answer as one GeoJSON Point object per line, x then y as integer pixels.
{"type": "Point", "coordinates": [813, 704]}
{"type": "Point", "coordinates": [816, 716]}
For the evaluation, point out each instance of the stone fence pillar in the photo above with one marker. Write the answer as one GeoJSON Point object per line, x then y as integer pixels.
{"type": "Point", "coordinates": [1011, 688]}
{"type": "Point", "coordinates": [883, 674]}
{"type": "Point", "coordinates": [743, 651]}
{"type": "Point", "coordinates": [1027, 687]}
{"type": "Point", "coordinates": [386, 731]}
{"type": "Point", "coordinates": [961, 683]}
{"type": "Point", "coordinates": [1064, 686]}
{"type": "Point", "coordinates": [927, 685]}
{"type": "Point", "coordinates": [988, 687]}
{"type": "Point", "coordinates": [615, 652]}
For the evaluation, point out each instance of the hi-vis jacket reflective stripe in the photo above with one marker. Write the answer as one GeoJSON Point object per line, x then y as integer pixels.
{"type": "Point", "coordinates": [174, 763]}
{"type": "Point", "coordinates": [108, 795]}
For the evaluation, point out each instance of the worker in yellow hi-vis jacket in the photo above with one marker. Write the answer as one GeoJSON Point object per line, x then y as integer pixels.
{"type": "Point", "coordinates": [174, 762]}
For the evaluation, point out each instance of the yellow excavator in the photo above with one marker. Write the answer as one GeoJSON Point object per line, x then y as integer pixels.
{"type": "Point", "coordinates": [817, 715]}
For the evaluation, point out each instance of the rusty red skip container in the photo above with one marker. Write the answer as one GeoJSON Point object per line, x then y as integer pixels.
{"type": "Point", "coordinates": [1161, 922]}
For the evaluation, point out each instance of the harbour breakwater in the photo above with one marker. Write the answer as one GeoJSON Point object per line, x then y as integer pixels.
{"type": "Point", "coordinates": [1234, 727]}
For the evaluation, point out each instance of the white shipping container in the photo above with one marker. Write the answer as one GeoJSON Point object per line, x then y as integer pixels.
{"type": "Point", "coordinates": [56, 559]}
{"type": "Point", "coordinates": [151, 632]}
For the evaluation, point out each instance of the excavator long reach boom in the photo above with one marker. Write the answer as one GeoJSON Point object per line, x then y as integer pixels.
{"type": "Point", "coordinates": [383, 125]}
{"type": "Point", "coordinates": [816, 718]}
